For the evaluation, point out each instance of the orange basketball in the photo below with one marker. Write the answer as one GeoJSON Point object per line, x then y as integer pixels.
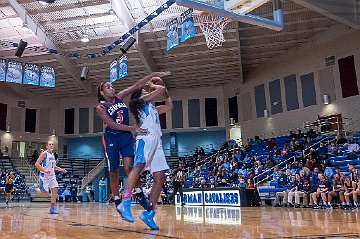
{"type": "Point", "coordinates": [158, 81]}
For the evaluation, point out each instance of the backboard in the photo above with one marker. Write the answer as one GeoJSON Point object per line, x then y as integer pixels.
{"type": "Point", "coordinates": [238, 10]}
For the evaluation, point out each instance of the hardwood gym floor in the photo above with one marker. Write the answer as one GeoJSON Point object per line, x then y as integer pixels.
{"type": "Point", "coordinates": [92, 220]}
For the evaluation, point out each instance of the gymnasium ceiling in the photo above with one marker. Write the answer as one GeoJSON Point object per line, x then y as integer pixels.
{"type": "Point", "coordinates": [61, 25]}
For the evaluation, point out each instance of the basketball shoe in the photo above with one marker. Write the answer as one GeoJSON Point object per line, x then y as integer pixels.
{"type": "Point", "coordinates": [124, 208]}
{"type": "Point", "coordinates": [148, 219]}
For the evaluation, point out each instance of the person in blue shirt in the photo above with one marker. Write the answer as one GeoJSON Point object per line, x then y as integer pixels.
{"type": "Point", "coordinates": [323, 189]}
{"type": "Point", "coordinates": [292, 186]}
{"type": "Point", "coordinates": [283, 179]}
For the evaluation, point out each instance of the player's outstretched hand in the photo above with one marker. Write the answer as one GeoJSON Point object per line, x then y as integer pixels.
{"type": "Point", "coordinates": [162, 73]}
{"type": "Point", "coordinates": [64, 170]}
{"type": "Point", "coordinates": [140, 130]}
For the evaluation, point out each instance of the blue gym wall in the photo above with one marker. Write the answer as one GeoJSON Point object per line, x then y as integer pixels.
{"type": "Point", "coordinates": [91, 147]}
{"type": "Point", "coordinates": [188, 141]}
{"type": "Point", "coordinates": [85, 147]}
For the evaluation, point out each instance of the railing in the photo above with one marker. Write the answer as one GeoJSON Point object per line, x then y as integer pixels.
{"type": "Point", "coordinates": [285, 160]}
{"type": "Point", "coordinates": [91, 175]}
{"type": "Point", "coordinates": [33, 171]}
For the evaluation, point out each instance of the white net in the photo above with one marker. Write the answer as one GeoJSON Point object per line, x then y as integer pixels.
{"type": "Point", "coordinates": [212, 26]}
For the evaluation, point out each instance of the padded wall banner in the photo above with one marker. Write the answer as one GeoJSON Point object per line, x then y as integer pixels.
{"type": "Point", "coordinates": [14, 72]}
{"type": "Point", "coordinates": [172, 34]}
{"type": "Point", "coordinates": [113, 71]}
{"type": "Point", "coordinates": [2, 69]}
{"type": "Point", "coordinates": [47, 78]}
{"type": "Point", "coordinates": [31, 74]}
{"type": "Point", "coordinates": [187, 25]}
{"type": "Point", "coordinates": [123, 67]}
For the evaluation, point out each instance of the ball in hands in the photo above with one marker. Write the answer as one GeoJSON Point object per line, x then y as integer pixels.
{"type": "Point", "coordinates": [157, 81]}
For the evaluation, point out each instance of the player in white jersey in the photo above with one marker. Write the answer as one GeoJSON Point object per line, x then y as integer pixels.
{"type": "Point", "coordinates": [46, 163]}
{"type": "Point", "coordinates": [149, 152]}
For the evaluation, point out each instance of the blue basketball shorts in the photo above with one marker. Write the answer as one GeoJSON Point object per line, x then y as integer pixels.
{"type": "Point", "coordinates": [116, 146]}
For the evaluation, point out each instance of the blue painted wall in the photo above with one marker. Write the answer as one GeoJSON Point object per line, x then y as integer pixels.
{"type": "Point", "coordinates": [91, 147]}
{"type": "Point", "coordinates": [85, 147]}
{"type": "Point", "coordinates": [188, 141]}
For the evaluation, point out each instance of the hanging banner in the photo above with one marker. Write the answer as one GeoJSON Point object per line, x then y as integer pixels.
{"type": "Point", "coordinates": [113, 71]}
{"type": "Point", "coordinates": [172, 34]}
{"type": "Point", "coordinates": [123, 67]}
{"type": "Point", "coordinates": [31, 74]}
{"type": "Point", "coordinates": [14, 72]}
{"type": "Point", "coordinates": [2, 69]}
{"type": "Point", "coordinates": [47, 78]}
{"type": "Point", "coordinates": [187, 25]}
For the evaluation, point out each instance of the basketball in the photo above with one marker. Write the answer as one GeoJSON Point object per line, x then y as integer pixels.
{"type": "Point", "coordinates": [157, 81]}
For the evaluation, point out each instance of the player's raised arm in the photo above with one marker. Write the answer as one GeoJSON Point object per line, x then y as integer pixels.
{"type": "Point", "coordinates": [139, 84]}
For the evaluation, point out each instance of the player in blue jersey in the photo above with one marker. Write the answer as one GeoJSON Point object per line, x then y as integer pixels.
{"type": "Point", "coordinates": [46, 163]}
{"type": "Point", "coordinates": [149, 151]}
{"type": "Point", "coordinates": [118, 139]}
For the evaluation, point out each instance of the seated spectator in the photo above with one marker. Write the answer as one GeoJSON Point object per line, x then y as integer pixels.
{"type": "Point", "coordinates": [67, 194]}
{"type": "Point", "coordinates": [303, 191]}
{"type": "Point", "coordinates": [322, 191]}
{"type": "Point", "coordinates": [348, 191]}
{"type": "Point", "coordinates": [292, 186]}
{"type": "Point", "coordinates": [293, 145]}
{"type": "Point", "coordinates": [329, 173]}
{"type": "Point", "coordinates": [270, 144]}
{"type": "Point", "coordinates": [242, 183]}
{"type": "Point", "coordinates": [282, 180]}
{"type": "Point", "coordinates": [353, 149]}
{"type": "Point", "coordinates": [341, 140]}
{"type": "Point", "coordinates": [223, 183]}
{"type": "Point", "coordinates": [276, 152]}
{"type": "Point", "coordinates": [337, 191]}
{"type": "Point", "coordinates": [321, 151]}
{"type": "Point", "coordinates": [276, 174]}
{"type": "Point", "coordinates": [296, 182]}
{"type": "Point", "coordinates": [333, 150]}
{"type": "Point", "coordinates": [284, 151]}
{"type": "Point", "coordinates": [250, 184]}
{"type": "Point", "coordinates": [268, 164]}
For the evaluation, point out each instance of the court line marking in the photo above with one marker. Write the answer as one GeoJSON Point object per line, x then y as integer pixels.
{"type": "Point", "coordinates": [106, 227]}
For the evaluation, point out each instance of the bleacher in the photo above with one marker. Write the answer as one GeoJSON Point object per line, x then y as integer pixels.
{"type": "Point", "coordinates": [76, 170]}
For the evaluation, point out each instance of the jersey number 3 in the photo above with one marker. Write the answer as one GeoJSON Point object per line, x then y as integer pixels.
{"type": "Point", "coordinates": [119, 117]}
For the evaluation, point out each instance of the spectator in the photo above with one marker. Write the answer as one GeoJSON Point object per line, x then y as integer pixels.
{"type": "Point", "coordinates": [353, 149]}
{"type": "Point", "coordinates": [303, 192]}
{"type": "Point", "coordinates": [322, 191]}
{"type": "Point", "coordinates": [90, 193]}
{"type": "Point", "coordinates": [270, 144]}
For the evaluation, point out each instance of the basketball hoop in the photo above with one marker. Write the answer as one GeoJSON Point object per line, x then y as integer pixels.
{"type": "Point", "coordinates": [212, 26]}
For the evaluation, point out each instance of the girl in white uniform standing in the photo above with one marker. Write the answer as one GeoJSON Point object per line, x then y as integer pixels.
{"type": "Point", "coordinates": [149, 152]}
{"type": "Point", "coordinates": [46, 163]}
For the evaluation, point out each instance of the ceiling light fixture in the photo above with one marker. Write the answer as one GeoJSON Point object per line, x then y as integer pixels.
{"type": "Point", "coordinates": [25, 27]}
{"type": "Point", "coordinates": [45, 2]}
{"type": "Point", "coordinates": [85, 38]}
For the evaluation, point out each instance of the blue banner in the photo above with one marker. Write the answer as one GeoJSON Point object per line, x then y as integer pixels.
{"type": "Point", "coordinates": [47, 78]}
{"type": "Point", "coordinates": [14, 72]}
{"type": "Point", "coordinates": [123, 67]}
{"type": "Point", "coordinates": [172, 35]}
{"type": "Point", "coordinates": [187, 25]}
{"type": "Point", "coordinates": [31, 74]}
{"type": "Point", "coordinates": [2, 69]}
{"type": "Point", "coordinates": [113, 71]}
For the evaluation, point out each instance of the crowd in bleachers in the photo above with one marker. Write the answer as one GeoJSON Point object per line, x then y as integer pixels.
{"type": "Point", "coordinates": [305, 162]}
{"type": "Point", "coordinates": [20, 187]}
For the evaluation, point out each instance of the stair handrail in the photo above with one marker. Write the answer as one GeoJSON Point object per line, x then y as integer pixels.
{"type": "Point", "coordinates": [286, 160]}
{"type": "Point", "coordinates": [91, 175]}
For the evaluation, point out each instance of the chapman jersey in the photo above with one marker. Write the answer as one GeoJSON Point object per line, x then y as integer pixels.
{"type": "Point", "coordinates": [149, 119]}
{"type": "Point", "coordinates": [324, 184]}
{"type": "Point", "coordinates": [118, 111]}
{"type": "Point", "coordinates": [48, 164]}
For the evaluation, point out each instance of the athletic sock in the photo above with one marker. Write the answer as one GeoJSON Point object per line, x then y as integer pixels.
{"type": "Point", "coordinates": [153, 206]}
{"type": "Point", "coordinates": [117, 200]}
{"type": "Point", "coordinates": [52, 205]}
{"type": "Point", "coordinates": [127, 194]}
